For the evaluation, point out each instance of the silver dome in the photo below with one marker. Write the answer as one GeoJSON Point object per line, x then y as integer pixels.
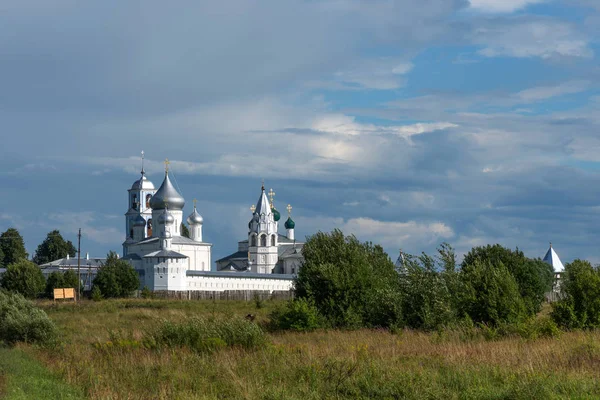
{"type": "Point", "coordinates": [167, 195]}
{"type": "Point", "coordinates": [142, 184]}
{"type": "Point", "coordinates": [166, 218]}
{"type": "Point", "coordinates": [139, 221]}
{"type": "Point", "coordinates": [195, 218]}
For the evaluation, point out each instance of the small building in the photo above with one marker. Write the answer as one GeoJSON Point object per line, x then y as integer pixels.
{"type": "Point", "coordinates": [88, 268]}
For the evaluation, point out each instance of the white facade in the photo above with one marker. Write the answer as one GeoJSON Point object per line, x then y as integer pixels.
{"type": "Point", "coordinates": [168, 261]}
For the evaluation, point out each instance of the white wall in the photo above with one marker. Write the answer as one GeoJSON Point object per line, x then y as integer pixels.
{"type": "Point", "coordinates": [214, 283]}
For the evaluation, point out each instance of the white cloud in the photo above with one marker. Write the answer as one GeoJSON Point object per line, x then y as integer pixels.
{"type": "Point", "coordinates": [380, 74]}
{"type": "Point", "coordinates": [546, 92]}
{"type": "Point", "coordinates": [501, 6]}
{"type": "Point", "coordinates": [544, 38]}
{"type": "Point", "coordinates": [90, 224]}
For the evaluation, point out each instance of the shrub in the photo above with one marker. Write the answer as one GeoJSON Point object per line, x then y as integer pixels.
{"type": "Point", "coordinates": [116, 278]}
{"type": "Point", "coordinates": [147, 293]}
{"type": "Point", "coordinates": [533, 276]}
{"type": "Point", "coordinates": [24, 277]}
{"type": "Point", "coordinates": [203, 334]}
{"type": "Point", "coordinates": [427, 300]}
{"type": "Point", "coordinates": [96, 294]}
{"type": "Point", "coordinates": [490, 294]}
{"type": "Point", "coordinates": [298, 315]}
{"type": "Point", "coordinates": [21, 321]}
{"type": "Point", "coordinates": [342, 277]}
{"type": "Point", "coordinates": [579, 306]}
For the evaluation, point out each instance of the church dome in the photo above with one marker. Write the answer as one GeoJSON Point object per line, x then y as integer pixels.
{"type": "Point", "coordinates": [276, 215]}
{"type": "Point", "coordinates": [166, 218]}
{"type": "Point", "coordinates": [289, 224]}
{"type": "Point", "coordinates": [167, 195]}
{"type": "Point", "coordinates": [195, 218]}
{"type": "Point", "coordinates": [139, 221]}
{"type": "Point", "coordinates": [143, 183]}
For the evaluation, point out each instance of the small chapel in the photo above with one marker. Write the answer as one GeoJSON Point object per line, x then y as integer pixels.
{"type": "Point", "coordinates": [166, 260]}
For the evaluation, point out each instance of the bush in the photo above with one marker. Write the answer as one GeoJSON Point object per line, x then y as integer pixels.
{"type": "Point", "coordinates": [21, 321]}
{"type": "Point", "coordinates": [298, 315]}
{"type": "Point", "coordinates": [490, 294]}
{"type": "Point", "coordinates": [96, 294]}
{"type": "Point", "coordinates": [343, 277]}
{"type": "Point", "coordinates": [579, 306]}
{"type": "Point", "coordinates": [203, 334]}
{"type": "Point", "coordinates": [59, 280]}
{"type": "Point", "coordinates": [116, 278]}
{"type": "Point", "coordinates": [427, 301]}
{"type": "Point", "coordinates": [147, 293]}
{"type": "Point", "coordinates": [24, 277]}
{"type": "Point", "coordinates": [533, 276]}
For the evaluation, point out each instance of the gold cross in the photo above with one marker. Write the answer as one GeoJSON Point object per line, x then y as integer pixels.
{"type": "Point", "coordinates": [167, 162]}
{"type": "Point", "coordinates": [289, 209]}
{"type": "Point", "coordinates": [252, 208]}
{"type": "Point", "coordinates": [195, 201]}
{"type": "Point", "coordinates": [271, 195]}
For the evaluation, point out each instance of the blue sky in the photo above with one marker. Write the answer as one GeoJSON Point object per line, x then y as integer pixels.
{"type": "Point", "coordinates": [408, 123]}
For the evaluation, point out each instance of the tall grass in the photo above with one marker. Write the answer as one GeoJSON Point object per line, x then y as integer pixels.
{"type": "Point", "coordinates": [299, 365]}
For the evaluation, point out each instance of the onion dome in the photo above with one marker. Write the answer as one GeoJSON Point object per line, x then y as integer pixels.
{"type": "Point", "coordinates": [167, 194]}
{"type": "Point", "coordinates": [143, 183]}
{"type": "Point", "coordinates": [195, 218]}
{"type": "Point", "coordinates": [276, 215]}
{"type": "Point", "coordinates": [139, 221]}
{"type": "Point", "coordinates": [289, 224]}
{"type": "Point", "coordinates": [166, 218]}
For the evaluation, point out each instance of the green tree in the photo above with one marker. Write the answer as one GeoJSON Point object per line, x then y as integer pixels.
{"type": "Point", "coordinates": [116, 278]}
{"type": "Point", "coordinates": [24, 277]}
{"type": "Point", "coordinates": [580, 303]}
{"type": "Point", "coordinates": [490, 293]}
{"type": "Point", "coordinates": [351, 284]}
{"type": "Point", "coordinates": [12, 247]}
{"type": "Point", "coordinates": [533, 276]}
{"type": "Point", "coordinates": [58, 280]}
{"type": "Point", "coordinates": [53, 248]}
{"type": "Point", "coordinates": [185, 232]}
{"type": "Point", "coordinates": [427, 301]}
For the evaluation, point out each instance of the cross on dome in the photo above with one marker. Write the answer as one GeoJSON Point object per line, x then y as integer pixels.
{"type": "Point", "coordinates": [167, 162]}
{"type": "Point", "coordinates": [252, 208]}
{"type": "Point", "coordinates": [289, 209]}
{"type": "Point", "coordinates": [271, 196]}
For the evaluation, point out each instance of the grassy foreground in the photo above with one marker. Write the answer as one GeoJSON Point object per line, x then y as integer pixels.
{"type": "Point", "coordinates": [22, 377]}
{"type": "Point", "coordinates": [318, 365]}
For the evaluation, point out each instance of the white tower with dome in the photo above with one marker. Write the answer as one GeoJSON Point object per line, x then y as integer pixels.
{"type": "Point", "coordinates": [138, 219]}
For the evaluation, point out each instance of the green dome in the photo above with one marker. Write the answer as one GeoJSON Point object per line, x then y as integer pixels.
{"type": "Point", "coordinates": [276, 215]}
{"type": "Point", "coordinates": [290, 224]}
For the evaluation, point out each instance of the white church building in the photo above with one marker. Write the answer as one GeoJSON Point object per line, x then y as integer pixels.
{"type": "Point", "coordinates": [168, 261]}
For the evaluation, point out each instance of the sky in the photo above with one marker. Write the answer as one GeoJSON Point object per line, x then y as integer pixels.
{"type": "Point", "coordinates": [407, 123]}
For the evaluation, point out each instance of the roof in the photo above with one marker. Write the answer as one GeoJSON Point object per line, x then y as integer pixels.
{"type": "Point", "coordinates": [72, 262]}
{"type": "Point", "coordinates": [240, 275]}
{"type": "Point", "coordinates": [552, 258]}
{"type": "Point", "coordinates": [165, 253]}
{"type": "Point", "coordinates": [262, 205]}
{"type": "Point", "coordinates": [132, 256]}
{"type": "Point", "coordinates": [143, 183]}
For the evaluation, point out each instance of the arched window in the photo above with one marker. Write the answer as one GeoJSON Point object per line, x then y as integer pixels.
{"type": "Point", "coordinates": [149, 230]}
{"type": "Point", "coordinates": [263, 240]}
{"type": "Point", "coordinates": [148, 197]}
{"type": "Point", "coordinates": [131, 233]}
{"type": "Point", "coordinates": [253, 240]}
{"type": "Point", "coordinates": [272, 240]}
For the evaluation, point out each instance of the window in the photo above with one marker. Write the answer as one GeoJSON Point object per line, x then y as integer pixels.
{"type": "Point", "coordinates": [293, 270]}
{"type": "Point", "coordinates": [273, 240]}
{"type": "Point", "coordinates": [253, 240]}
{"type": "Point", "coordinates": [148, 197]}
{"type": "Point", "coordinates": [131, 233]}
{"type": "Point", "coordinates": [149, 230]}
{"type": "Point", "coordinates": [263, 240]}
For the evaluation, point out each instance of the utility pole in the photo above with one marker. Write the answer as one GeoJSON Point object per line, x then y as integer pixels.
{"type": "Point", "coordinates": [79, 265]}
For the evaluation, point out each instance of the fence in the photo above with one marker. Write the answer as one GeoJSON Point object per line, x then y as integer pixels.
{"type": "Point", "coordinates": [240, 295]}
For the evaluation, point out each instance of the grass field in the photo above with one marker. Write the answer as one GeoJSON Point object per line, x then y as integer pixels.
{"type": "Point", "coordinates": [319, 365]}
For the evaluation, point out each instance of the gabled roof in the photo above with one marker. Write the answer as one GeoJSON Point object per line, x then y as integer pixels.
{"type": "Point", "coordinates": [552, 258]}
{"type": "Point", "coordinates": [71, 262]}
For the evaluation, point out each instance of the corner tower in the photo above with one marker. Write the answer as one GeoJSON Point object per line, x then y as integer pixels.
{"type": "Point", "coordinates": [262, 236]}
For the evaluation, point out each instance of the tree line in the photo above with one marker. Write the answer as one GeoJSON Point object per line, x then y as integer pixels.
{"type": "Point", "coordinates": [345, 283]}
{"type": "Point", "coordinates": [116, 278]}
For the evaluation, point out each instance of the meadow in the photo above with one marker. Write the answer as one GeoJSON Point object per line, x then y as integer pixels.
{"type": "Point", "coordinates": [100, 358]}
